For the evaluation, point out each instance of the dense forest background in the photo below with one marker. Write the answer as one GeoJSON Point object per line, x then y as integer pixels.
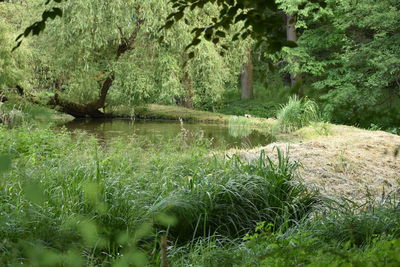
{"type": "Point", "coordinates": [347, 58]}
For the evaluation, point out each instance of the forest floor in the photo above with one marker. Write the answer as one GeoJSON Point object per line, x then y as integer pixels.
{"type": "Point", "coordinates": [349, 162]}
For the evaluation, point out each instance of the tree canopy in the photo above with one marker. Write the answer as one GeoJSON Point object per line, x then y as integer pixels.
{"type": "Point", "coordinates": [346, 55]}
{"type": "Point", "coordinates": [261, 19]}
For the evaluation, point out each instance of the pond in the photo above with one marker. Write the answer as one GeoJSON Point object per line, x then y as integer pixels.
{"type": "Point", "coordinates": [220, 136]}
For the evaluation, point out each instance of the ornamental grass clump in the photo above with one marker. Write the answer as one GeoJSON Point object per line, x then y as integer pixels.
{"type": "Point", "coordinates": [235, 195]}
{"type": "Point", "coordinates": [297, 113]}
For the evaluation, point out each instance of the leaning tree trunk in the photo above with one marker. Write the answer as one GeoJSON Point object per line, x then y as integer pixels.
{"type": "Point", "coordinates": [246, 78]}
{"type": "Point", "coordinates": [291, 33]}
{"type": "Point", "coordinates": [92, 109]}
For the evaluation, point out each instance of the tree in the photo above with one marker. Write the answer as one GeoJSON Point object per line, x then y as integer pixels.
{"type": "Point", "coordinates": [261, 19]}
{"type": "Point", "coordinates": [349, 56]}
{"type": "Point", "coordinates": [101, 53]}
{"type": "Point", "coordinates": [13, 66]}
{"type": "Point", "coordinates": [246, 78]}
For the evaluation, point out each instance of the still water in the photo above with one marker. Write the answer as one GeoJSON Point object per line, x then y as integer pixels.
{"type": "Point", "coordinates": [220, 136]}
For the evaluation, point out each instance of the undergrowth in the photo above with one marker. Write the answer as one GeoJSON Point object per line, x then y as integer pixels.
{"type": "Point", "coordinates": [68, 199]}
{"type": "Point", "coordinates": [338, 234]}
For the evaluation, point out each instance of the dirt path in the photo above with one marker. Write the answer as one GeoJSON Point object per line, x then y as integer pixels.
{"type": "Point", "coordinates": [351, 162]}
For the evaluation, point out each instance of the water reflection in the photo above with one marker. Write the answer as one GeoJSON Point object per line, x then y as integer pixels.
{"type": "Point", "coordinates": [220, 136]}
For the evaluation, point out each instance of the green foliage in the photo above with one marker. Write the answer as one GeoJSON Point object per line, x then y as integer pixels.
{"type": "Point", "coordinates": [235, 195]}
{"type": "Point", "coordinates": [210, 252]}
{"type": "Point", "coordinates": [269, 92]}
{"type": "Point", "coordinates": [342, 233]}
{"type": "Point", "coordinates": [65, 197]}
{"type": "Point", "coordinates": [13, 65]}
{"type": "Point", "coordinates": [359, 225]}
{"type": "Point", "coordinates": [256, 108]}
{"type": "Point", "coordinates": [261, 20]}
{"type": "Point", "coordinates": [339, 234]}
{"type": "Point", "coordinates": [17, 111]}
{"type": "Point", "coordinates": [349, 54]}
{"type": "Point", "coordinates": [297, 113]}
{"type": "Point", "coordinates": [89, 33]}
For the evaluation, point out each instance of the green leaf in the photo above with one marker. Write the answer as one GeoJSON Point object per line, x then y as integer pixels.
{"type": "Point", "coordinates": [220, 34]}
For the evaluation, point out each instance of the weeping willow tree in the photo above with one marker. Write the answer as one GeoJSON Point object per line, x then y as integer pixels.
{"type": "Point", "coordinates": [14, 71]}
{"type": "Point", "coordinates": [109, 53]}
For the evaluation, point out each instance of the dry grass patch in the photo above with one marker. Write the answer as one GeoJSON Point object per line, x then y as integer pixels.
{"type": "Point", "coordinates": [350, 162]}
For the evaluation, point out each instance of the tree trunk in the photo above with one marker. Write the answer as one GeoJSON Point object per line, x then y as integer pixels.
{"type": "Point", "coordinates": [92, 109]}
{"type": "Point", "coordinates": [186, 82]}
{"type": "Point", "coordinates": [291, 33]}
{"type": "Point", "coordinates": [246, 78]}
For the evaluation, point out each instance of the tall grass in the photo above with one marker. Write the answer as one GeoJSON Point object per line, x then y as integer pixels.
{"type": "Point", "coordinates": [240, 126]}
{"type": "Point", "coordinates": [17, 111]}
{"type": "Point", "coordinates": [296, 114]}
{"type": "Point", "coordinates": [338, 234]}
{"type": "Point", "coordinates": [235, 195]}
{"type": "Point", "coordinates": [67, 198]}
{"type": "Point", "coordinates": [346, 222]}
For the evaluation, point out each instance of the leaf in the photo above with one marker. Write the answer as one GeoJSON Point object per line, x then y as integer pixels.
{"type": "Point", "coordinates": [195, 42]}
{"type": "Point", "coordinates": [178, 15]}
{"type": "Point", "coordinates": [168, 24]}
{"type": "Point", "coordinates": [220, 34]}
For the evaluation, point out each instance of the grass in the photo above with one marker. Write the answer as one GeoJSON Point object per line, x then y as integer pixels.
{"type": "Point", "coordinates": [234, 196]}
{"type": "Point", "coordinates": [297, 113]}
{"type": "Point", "coordinates": [163, 112]}
{"type": "Point", "coordinates": [314, 131]}
{"type": "Point", "coordinates": [338, 234]}
{"type": "Point", "coordinates": [17, 111]}
{"type": "Point", "coordinates": [68, 199]}
{"type": "Point", "coordinates": [261, 108]}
